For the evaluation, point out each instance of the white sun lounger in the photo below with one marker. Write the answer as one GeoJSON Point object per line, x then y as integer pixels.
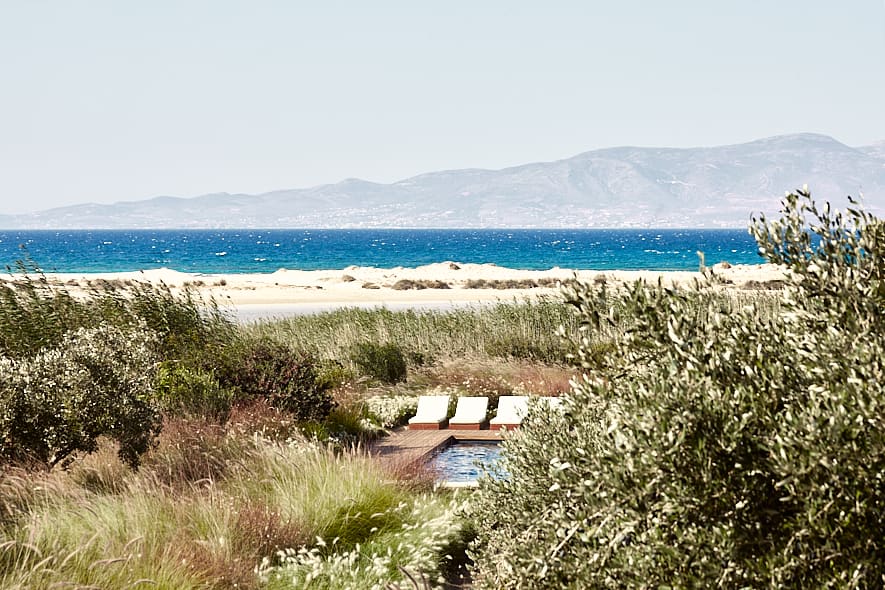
{"type": "Point", "coordinates": [511, 410]}
{"type": "Point", "coordinates": [470, 413]}
{"type": "Point", "coordinates": [431, 413]}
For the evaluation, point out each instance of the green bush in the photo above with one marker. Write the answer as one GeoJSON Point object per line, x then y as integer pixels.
{"type": "Point", "coordinates": [96, 382]}
{"type": "Point", "coordinates": [391, 411]}
{"type": "Point", "coordinates": [384, 362]}
{"type": "Point", "coordinates": [714, 445]}
{"type": "Point", "coordinates": [346, 427]}
{"type": "Point", "coordinates": [184, 390]}
{"type": "Point", "coordinates": [77, 357]}
{"type": "Point", "coordinates": [287, 379]}
{"type": "Point", "coordinates": [333, 374]}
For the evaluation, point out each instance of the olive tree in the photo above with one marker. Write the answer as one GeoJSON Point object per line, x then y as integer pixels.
{"type": "Point", "coordinates": [95, 382]}
{"type": "Point", "coordinates": [719, 440]}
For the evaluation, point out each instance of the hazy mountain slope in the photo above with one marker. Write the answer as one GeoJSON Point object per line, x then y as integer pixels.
{"type": "Point", "coordinates": [616, 187]}
{"type": "Point", "coordinates": [877, 150]}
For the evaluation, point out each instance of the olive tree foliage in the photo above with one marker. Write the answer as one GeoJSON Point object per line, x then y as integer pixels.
{"type": "Point", "coordinates": [59, 401]}
{"type": "Point", "coordinates": [719, 441]}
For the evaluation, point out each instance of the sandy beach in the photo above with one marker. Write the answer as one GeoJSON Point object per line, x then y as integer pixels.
{"type": "Point", "coordinates": [439, 285]}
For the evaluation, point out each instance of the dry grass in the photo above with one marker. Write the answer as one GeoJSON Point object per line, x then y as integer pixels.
{"type": "Point", "coordinates": [408, 284]}
{"type": "Point", "coordinates": [191, 451]}
{"type": "Point", "coordinates": [101, 472]}
{"type": "Point", "coordinates": [544, 380]}
{"type": "Point", "coordinates": [22, 489]}
{"type": "Point", "coordinates": [412, 474]}
{"type": "Point", "coordinates": [512, 377]}
{"type": "Point", "coordinates": [257, 416]}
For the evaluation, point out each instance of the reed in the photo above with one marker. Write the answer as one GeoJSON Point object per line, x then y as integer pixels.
{"type": "Point", "coordinates": [36, 313]}
{"type": "Point", "coordinates": [524, 329]}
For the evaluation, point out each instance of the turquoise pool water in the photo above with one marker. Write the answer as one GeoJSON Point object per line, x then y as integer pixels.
{"type": "Point", "coordinates": [463, 461]}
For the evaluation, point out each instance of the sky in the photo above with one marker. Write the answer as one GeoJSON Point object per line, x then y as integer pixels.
{"type": "Point", "coordinates": [118, 100]}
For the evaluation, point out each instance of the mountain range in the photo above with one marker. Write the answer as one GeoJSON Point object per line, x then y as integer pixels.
{"type": "Point", "coordinates": [616, 187]}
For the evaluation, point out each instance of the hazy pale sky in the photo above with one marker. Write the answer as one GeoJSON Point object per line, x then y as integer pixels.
{"type": "Point", "coordinates": [116, 100]}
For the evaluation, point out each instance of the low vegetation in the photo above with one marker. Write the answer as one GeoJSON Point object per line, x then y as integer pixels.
{"type": "Point", "coordinates": [408, 284]}
{"type": "Point", "coordinates": [220, 508]}
{"type": "Point", "coordinates": [518, 330]}
{"type": "Point", "coordinates": [710, 437]}
{"type": "Point", "coordinates": [546, 282]}
{"type": "Point", "coordinates": [146, 439]}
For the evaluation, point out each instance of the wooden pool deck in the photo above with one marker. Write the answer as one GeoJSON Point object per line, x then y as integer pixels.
{"type": "Point", "coordinates": [406, 447]}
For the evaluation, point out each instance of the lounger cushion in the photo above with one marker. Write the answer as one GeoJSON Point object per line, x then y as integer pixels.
{"type": "Point", "coordinates": [470, 410]}
{"type": "Point", "coordinates": [511, 409]}
{"type": "Point", "coordinates": [432, 409]}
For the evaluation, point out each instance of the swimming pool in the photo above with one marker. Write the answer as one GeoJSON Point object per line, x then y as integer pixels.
{"type": "Point", "coordinates": [463, 460]}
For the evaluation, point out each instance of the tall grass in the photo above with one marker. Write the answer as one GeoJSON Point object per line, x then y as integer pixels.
{"type": "Point", "coordinates": [544, 330]}
{"type": "Point", "coordinates": [185, 321]}
{"type": "Point", "coordinates": [519, 329]}
{"type": "Point", "coordinates": [36, 313]}
{"type": "Point", "coordinates": [181, 521]}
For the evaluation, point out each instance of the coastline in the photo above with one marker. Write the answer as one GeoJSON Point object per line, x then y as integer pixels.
{"type": "Point", "coordinates": [439, 285]}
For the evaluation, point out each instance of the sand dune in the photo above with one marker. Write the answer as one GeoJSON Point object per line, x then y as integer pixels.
{"type": "Point", "coordinates": [433, 285]}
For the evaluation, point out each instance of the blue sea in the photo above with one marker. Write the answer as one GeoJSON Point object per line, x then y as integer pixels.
{"type": "Point", "coordinates": [265, 251]}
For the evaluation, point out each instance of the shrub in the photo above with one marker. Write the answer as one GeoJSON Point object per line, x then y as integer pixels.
{"type": "Point", "coordinates": [384, 362]}
{"type": "Point", "coordinates": [287, 379]}
{"type": "Point", "coordinates": [408, 284]}
{"type": "Point", "coordinates": [713, 445]}
{"type": "Point", "coordinates": [346, 427]}
{"type": "Point", "coordinates": [333, 374]}
{"type": "Point", "coordinates": [184, 390]}
{"type": "Point", "coordinates": [392, 411]}
{"type": "Point", "coordinates": [96, 382]}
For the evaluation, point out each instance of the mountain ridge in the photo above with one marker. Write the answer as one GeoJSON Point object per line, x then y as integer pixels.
{"type": "Point", "coordinates": [626, 186]}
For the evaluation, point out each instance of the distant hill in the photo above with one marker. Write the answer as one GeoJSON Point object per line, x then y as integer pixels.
{"type": "Point", "coordinates": [616, 187]}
